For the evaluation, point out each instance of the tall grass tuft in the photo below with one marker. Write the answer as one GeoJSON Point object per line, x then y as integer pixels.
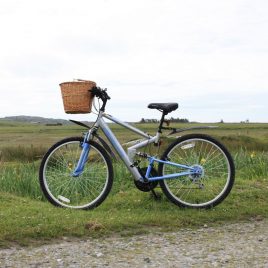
{"type": "Point", "coordinates": [251, 164]}
{"type": "Point", "coordinates": [247, 143]}
{"type": "Point", "coordinates": [21, 179]}
{"type": "Point", "coordinates": [22, 153]}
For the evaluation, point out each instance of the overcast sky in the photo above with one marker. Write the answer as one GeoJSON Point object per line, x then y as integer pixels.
{"type": "Point", "coordinates": [210, 56]}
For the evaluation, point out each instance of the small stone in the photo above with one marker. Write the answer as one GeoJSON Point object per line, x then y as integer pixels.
{"type": "Point", "coordinates": [259, 218]}
{"type": "Point", "coordinates": [147, 260]}
{"type": "Point", "coordinates": [99, 254]}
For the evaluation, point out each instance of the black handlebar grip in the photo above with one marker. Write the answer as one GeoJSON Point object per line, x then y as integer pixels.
{"type": "Point", "coordinates": [100, 93]}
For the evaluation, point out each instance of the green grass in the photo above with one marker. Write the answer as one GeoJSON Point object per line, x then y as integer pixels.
{"type": "Point", "coordinates": [22, 153]}
{"type": "Point", "coordinates": [251, 164]}
{"type": "Point", "coordinates": [26, 217]}
{"type": "Point", "coordinates": [22, 178]}
{"type": "Point", "coordinates": [25, 135]}
{"type": "Point", "coordinates": [26, 221]}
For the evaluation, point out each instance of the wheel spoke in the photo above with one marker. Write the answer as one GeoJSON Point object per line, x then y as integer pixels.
{"type": "Point", "coordinates": [200, 190]}
{"type": "Point", "coordinates": [85, 191]}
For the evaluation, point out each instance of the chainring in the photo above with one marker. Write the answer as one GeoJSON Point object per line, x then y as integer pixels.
{"type": "Point", "coordinates": [146, 186]}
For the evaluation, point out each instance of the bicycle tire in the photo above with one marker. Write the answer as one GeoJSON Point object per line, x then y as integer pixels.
{"type": "Point", "coordinates": [214, 183]}
{"type": "Point", "coordinates": [86, 191]}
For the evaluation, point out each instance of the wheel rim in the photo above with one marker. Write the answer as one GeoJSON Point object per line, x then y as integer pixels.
{"type": "Point", "coordinates": [75, 192]}
{"type": "Point", "coordinates": [205, 189]}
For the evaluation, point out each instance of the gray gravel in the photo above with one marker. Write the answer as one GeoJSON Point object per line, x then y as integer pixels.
{"type": "Point", "coordinates": [232, 245]}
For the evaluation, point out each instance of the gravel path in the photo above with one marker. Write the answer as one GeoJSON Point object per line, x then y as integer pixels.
{"type": "Point", "coordinates": [232, 245]}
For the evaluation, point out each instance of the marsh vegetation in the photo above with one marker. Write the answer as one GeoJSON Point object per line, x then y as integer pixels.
{"type": "Point", "coordinates": [25, 214]}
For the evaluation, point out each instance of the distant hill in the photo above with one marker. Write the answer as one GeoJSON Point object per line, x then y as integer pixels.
{"type": "Point", "coordinates": [35, 120]}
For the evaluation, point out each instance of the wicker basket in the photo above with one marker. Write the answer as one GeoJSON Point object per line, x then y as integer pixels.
{"type": "Point", "coordinates": [76, 96]}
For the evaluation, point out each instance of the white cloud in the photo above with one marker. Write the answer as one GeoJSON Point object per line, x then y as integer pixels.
{"type": "Point", "coordinates": [143, 51]}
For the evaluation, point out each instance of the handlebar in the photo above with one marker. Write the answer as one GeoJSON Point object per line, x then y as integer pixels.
{"type": "Point", "coordinates": [100, 93]}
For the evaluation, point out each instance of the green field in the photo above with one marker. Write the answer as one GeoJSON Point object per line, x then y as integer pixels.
{"type": "Point", "coordinates": [35, 139]}
{"type": "Point", "coordinates": [27, 217]}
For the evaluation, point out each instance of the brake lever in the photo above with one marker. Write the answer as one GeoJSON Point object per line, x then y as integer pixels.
{"type": "Point", "coordinates": [106, 94]}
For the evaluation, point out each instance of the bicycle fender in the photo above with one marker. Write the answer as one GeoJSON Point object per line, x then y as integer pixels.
{"type": "Point", "coordinates": [102, 141]}
{"type": "Point", "coordinates": [176, 130]}
{"type": "Point", "coordinates": [80, 124]}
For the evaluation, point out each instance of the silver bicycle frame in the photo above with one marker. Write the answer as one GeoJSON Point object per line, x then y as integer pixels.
{"type": "Point", "coordinates": [127, 158]}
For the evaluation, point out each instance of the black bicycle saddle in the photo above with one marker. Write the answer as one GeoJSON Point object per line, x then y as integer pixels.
{"type": "Point", "coordinates": [165, 107]}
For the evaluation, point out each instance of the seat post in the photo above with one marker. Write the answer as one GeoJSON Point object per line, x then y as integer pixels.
{"type": "Point", "coordinates": [161, 122]}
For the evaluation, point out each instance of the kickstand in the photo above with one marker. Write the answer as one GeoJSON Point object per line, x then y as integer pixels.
{"type": "Point", "coordinates": [156, 197]}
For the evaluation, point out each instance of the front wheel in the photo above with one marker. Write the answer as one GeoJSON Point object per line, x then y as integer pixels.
{"type": "Point", "coordinates": [214, 180]}
{"type": "Point", "coordinates": [85, 191]}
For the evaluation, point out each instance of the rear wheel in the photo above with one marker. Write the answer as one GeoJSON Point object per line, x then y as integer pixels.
{"type": "Point", "coordinates": [86, 191]}
{"type": "Point", "coordinates": [215, 177]}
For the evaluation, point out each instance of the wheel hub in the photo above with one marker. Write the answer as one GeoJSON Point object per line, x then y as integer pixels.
{"type": "Point", "coordinates": [198, 173]}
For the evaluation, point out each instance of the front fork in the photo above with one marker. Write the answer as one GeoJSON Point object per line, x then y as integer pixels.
{"type": "Point", "coordinates": [83, 157]}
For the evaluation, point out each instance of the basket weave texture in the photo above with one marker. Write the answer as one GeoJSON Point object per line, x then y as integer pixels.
{"type": "Point", "coordinates": [76, 96]}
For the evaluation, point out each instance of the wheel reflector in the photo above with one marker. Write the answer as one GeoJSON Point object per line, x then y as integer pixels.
{"type": "Point", "coordinates": [63, 199]}
{"type": "Point", "coordinates": [188, 146]}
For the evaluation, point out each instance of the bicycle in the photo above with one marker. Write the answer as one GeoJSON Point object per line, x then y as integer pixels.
{"type": "Point", "coordinates": [195, 170]}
